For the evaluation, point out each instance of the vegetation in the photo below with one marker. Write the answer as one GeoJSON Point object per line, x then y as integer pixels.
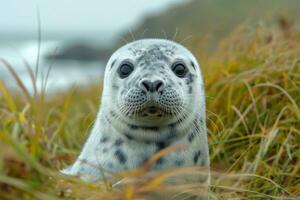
{"type": "Point", "coordinates": [212, 19]}
{"type": "Point", "coordinates": [253, 116]}
{"type": "Point", "coordinates": [253, 97]}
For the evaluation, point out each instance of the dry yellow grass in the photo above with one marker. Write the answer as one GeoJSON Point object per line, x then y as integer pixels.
{"type": "Point", "coordinates": [253, 115]}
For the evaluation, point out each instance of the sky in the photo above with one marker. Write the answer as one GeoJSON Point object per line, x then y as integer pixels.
{"type": "Point", "coordinates": [75, 18]}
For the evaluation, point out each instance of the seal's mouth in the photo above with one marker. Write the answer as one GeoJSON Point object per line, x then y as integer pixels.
{"type": "Point", "coordinates": [152, 107]}
{"type": "Point", "coordinates": [153, 112]}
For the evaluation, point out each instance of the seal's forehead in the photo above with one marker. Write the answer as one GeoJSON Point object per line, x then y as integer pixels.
{"type": "Point", "coordinates": [154, 47]}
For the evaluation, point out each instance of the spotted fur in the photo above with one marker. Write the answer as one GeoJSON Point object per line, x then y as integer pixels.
{"type": "Point", "coordinates": [134, 123]}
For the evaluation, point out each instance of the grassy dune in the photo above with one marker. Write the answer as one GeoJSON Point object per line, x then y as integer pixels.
{"type": "Point", "coordinates": [253, 116]}
{"type": "Point", "coordinates": [212, 19]}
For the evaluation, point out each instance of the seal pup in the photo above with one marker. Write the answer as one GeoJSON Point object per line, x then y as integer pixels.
{"type": "Point", "coordinates": [153, 98]}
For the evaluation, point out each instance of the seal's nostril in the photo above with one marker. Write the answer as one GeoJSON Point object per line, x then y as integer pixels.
{"type": "Point", "coordinates": [147, 85]}
{"type": "Point", "coordinates": [158, 85]}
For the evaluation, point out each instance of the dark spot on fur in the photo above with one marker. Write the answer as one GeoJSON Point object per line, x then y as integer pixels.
{"type": "Point", "coordinates": [180, 120]}
{"type": "Point", "coordinates": [104, 150]}
{"type": "Point", "coordinates": [191, 136]}
{"type": "Point", "coordinates": [113, 113]}
{"type": "Point", "coordinates": [195, 122]}
{"type": "Point", "coordinates": [81, 169]}
{"type": "Point", "coordinates": [201, 121]}
{"type": "Point", "coordinates": [119, 142]}
{"type": "Point", "coordinates": [161, 66]}
{"type": "Point", "coordinates": [196, 156]}
{"type": "Point", "coordinates": [172, 126]}
{"type": "Point", "coordinates": [120, 156]}
{"type": "Point", "coordinates": [189, 79]}
{"type": "Point", "coordinates": [151, 128]}
{"type": "Point", "coordinates": [129, 137]}
{"type": "Point", "coordinates": [190, 90]}
{"type": "Point", "coordinates": [132, 126]}
{"type": "Point", "coordinates": [113, 63]}
{"type": "Point", "coordinates": [115, 86]}
{"type": "Point", "coordinates": [108, 119]}
{"type": "Point", "coordinates": [176, 123]}
{"type": "Point", "coordinates": [193, 64]}
{"type": "Point", "coordinates": [148, 142]}
{"type": "Point", "coordinates": [104, 139]}
{"type": "Point", "coordinates": [161, 145]}
{"type": "Point", "coordinates": [171, 133]}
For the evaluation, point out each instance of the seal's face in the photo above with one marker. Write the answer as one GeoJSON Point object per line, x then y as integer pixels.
{"type": "Point", "coordinates": [153, 82]}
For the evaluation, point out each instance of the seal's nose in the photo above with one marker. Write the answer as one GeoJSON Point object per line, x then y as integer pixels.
{"type": "Point", "coordinates": [152, 86]}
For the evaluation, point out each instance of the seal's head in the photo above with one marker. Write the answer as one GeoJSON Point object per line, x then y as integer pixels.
{"type": "Point", "coordinates": [153, 98]}
{"type": "Point", "coordinates": [154, 82]}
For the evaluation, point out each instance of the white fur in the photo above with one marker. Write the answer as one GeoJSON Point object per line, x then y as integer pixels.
{"type": "Point", "coordinates": [92, 163]}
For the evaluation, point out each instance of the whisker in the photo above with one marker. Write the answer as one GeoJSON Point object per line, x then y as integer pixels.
{"type": "Point", "coordinates": [175, 34]}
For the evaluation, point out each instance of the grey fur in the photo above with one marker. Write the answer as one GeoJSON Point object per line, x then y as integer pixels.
{"type": "Point", "coordinates": [133, 124]}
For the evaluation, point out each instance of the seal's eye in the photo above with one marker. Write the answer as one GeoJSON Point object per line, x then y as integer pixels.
{"type": "Point", "coordinates": [179, 69]}
{"type": "Point", "coordinates": [125, 70]}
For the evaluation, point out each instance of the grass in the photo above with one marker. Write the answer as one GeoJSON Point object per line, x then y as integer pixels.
{"type": "Point", "coordinates": [253, 116]}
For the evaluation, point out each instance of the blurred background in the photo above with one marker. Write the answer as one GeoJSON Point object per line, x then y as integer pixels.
{"type": "Point", "coordinates": [77, 37]}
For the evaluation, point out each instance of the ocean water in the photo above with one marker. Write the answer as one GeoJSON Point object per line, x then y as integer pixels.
{"type": "Point", "coordinates": [99, 22]}
{"type": "Point", "coordinates": [60, 75]}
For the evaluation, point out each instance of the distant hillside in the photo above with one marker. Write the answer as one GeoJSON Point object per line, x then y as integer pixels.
{"type": "Point", "coordinates": [214, 18]}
